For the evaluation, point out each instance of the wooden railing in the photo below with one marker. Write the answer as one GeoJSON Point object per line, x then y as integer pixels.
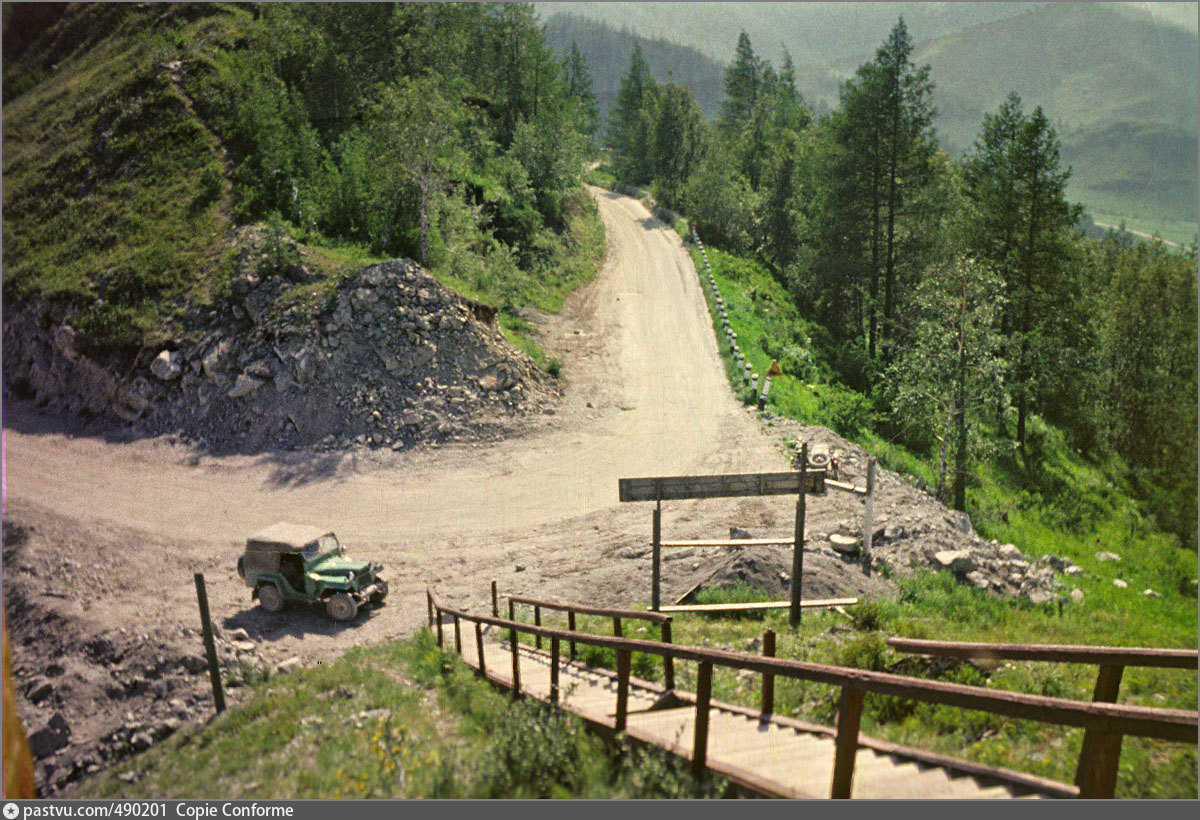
{"type": "Point", "coordinates": [1101, 751]}
{"type": "Point", "coordinates": [1104, 718]}
{"type": "Point", "coordinates": [663, 622]}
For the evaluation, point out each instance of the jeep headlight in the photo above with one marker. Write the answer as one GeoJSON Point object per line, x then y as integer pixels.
{"type": "Point", "coordinates": [314, 576]}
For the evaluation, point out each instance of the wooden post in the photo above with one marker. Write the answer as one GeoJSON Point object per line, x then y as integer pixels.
{"type": "Point", "coordinates": [429, 600]}
{"type": "Point", "coordinates": [798, 548]}
{"type": "Point", "coordinates": [457, 636]}
{"type": "Point", "coordinates": [656, 559]}
{"type": "Point", "coordinates": [438, 615]}
{"type": "Point", "coordinates": [617, 627]}
{"type": "Point", "coordinates": [516, 676]}
{"type": "Point", "coordinates": [479, 649]}
{"type": "Point", "coordinates": [668, 661]}
{"type": "Point", "coordinates": [624, 657]}
{"type": "Point", "coordinates": [1098, 780]}
{"type": "Point", "coordinates": [700, 739]}
{"type": "Point", "coordinates": [537, 621]}
{"type": "Point", "coordinates": [868, 516]}
{"type": "Point", "coordinates": [210, 647]}
{"type": "Point", "coordinates": [849, 714]}
{"type": "Point", "coordinates": [495, 602]}
{"type": "Point", "coordinates": [554, 669]}
{"type": "Point", "coordinates": [512, 616]}
{"type": "Point", "coordinates": [1100, 753]}
{"type": "Point", "coordinates": [768, 680]}
{"type": "Point", "coordinates": [571, 628]}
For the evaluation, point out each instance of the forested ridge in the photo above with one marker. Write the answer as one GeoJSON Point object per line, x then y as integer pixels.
{"type": "Point", "coordinates": [945, 302]}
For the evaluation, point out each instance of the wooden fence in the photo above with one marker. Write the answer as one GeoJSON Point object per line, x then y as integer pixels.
{"type": "Point", "coordinates": [1101, 719]}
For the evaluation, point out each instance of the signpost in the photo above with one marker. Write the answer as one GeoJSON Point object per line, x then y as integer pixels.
{"type": "Point", "coordinates": [726, 486]}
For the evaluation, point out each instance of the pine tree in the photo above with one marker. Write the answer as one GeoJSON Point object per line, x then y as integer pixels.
{"type": "Point", "coordinates": [678, 136]}
{"type": "Point", "coordinates": [627, 134]}
{"type": "Point", "coordinates": [579, 87]}
{"type": "Point", "coordinates": [745, 79]}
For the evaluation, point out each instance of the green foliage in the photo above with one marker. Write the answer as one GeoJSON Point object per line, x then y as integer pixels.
{"type": "Point", "coordinates": [739, 593]}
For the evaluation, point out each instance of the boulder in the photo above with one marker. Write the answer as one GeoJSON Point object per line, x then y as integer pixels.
{"type": "Point", "coordinates": [1119, 584]}
{"type": "Point", "coordinates": [55, 735]}
{"type": "Point", "coordinates": [1149, 593]}
{"type": "Point", "coordinates": [167, 366]}
{"type": "Point", "coordinates": [1077, 596]}
{"type": "Point", "coordinates": [1010, 552]}
{"type": "Point", "coordinates": [959, 561]}
{"type": "Point", "coordinates": [1107, 556]}
{"type": "Point", "coordinates": [244, 387]}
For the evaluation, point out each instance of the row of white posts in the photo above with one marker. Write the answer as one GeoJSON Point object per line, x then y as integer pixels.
{"type": "Point", "coordinates": [748, 376]}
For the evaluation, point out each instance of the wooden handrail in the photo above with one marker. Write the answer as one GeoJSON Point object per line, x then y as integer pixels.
{"type": "Point", "coordinates": [1056, 653]}
{"type": "Point", "coordinates": [1100, 752]}
{"type": "Point", "coordinates": [1166, 724]}
{"type": "Point", "coordinates": [653, 617]}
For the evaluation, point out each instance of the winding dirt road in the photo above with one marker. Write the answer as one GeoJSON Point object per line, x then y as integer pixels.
{"type": "Point", "coordinates": [646, 395]}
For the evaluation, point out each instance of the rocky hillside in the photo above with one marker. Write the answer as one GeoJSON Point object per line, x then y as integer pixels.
{"type": "Point", "coordinates": [389, 358]}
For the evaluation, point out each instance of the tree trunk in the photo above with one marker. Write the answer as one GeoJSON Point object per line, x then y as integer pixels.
{"type": "Point", "coordinates": [960, 414]}
{"type": "Point", "coordinates": [424, 224]}
{"type": "Point", "coordinates": [890, 273]}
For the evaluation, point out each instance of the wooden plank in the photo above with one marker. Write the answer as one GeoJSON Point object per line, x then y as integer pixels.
{"type": "Point", "coordinates": [849, 714]}
{"type": "Point", "coordinates": [752, 606]}
{"type": "Point", "coordinates": [1056, 653]}
{"type": "Point", "coordinates": [735, 485]}
{"type": "Point", "coordinates": [733, 542]}
{"type": "Point", "coordinates": [700, 738]}
{"type": "Point", "coordinates": [842, 485]}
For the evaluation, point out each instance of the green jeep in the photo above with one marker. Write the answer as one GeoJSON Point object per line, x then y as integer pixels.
{"type": "Point", "coordinates": [292, 562]}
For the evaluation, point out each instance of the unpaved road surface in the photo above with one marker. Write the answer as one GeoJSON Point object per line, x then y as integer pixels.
{"type": "Point", "coordinates": [102, 537]}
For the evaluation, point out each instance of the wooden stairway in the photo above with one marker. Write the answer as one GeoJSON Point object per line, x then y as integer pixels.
{"type": "Point", "coordinates": [774, 757]}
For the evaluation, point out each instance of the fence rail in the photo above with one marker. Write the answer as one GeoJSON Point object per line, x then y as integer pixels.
{"type": "Point", "coordinates": [1107, 720]}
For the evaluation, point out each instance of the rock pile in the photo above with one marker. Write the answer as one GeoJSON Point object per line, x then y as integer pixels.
{"type": "Point", "coordinates": [391, 358]}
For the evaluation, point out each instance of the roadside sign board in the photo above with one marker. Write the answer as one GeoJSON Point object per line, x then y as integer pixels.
{"type": "Point", "coordinates": [718, 486]}
{"type": "Point", "coordinates": [774, 372]}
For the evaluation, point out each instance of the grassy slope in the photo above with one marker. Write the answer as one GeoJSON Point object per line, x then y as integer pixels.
{"type": "Point", "coordinates": [117, 205]}
{"type": "Point", "coordinates": [1078, 512]}
{"type": "Point", "coordinates": [436, 731]}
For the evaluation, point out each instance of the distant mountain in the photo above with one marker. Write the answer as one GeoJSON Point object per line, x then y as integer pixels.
{"type": "Point", "coordinates": [1117, 80]}
{"type": "Point", "coordinates": [812, 32]}
{"type": "Point", "coordinates": [607, 51]}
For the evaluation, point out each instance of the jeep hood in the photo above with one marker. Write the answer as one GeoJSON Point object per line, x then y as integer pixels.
{"type": "Point", "coordinates": [332, 564]}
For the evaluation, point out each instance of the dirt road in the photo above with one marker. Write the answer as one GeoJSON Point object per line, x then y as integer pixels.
{"type": "Point", "coordinates": [645, 395]}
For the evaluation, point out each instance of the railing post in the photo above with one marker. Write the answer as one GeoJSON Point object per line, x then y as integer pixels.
{"type": "Point", "coordinates": [849, 714]}
{"type": "Point", "coordinates": [768, 680]}
{"type": "Point", "coordinates": [1098, 780]}
{"type": "Point", "coordinates": [479, 649]}
{"type": "Point", "coordinates": [457, 636]}
{"type": "Point", "coordinates": [617, 627]}
{"type": "Point", "coordinates": [210, 647]}
{"type": "Point", "coordinates": [571, 627]}
{"type": "Point", "coordinates": [537, 621]}
{"type": "Point", "coordinates": [554, 669]}
{"type": "Point", "coordinates": [438, 614]}
{"type": "Point", "coordinates": [623, 664]}
{"type": "Point", "coordinates": [703, 699]}
{"type": "Point", "coordinates": [429, 600]}
{"type": "Point", "coordinates": [1100, 752]}
{"type": "Point", "coordinates": [516, 671]}
{"type": "Point", "coordinates": [495, 602]}
{"type": "Point", "coordinates": [512, 616]}
{"type": "Point", "coordinates": [668, 661]}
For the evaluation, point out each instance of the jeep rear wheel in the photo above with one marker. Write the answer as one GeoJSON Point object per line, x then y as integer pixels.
{"type": "Point", "coordinates": [269, 598]}
{"type": "Point", "coordinates": [341, 607]}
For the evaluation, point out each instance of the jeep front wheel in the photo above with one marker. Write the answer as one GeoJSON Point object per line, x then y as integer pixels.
{"type": "Point", "coordinates": [381, 591]}
{"type": "Point", "coordinates": [269, 598]}
{"type": "Point", "coordinates": [341, 607]}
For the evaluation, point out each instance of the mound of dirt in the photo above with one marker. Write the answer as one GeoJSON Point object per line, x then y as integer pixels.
{"type": "Point", "coordinates": [826, 575]}
{"type": "Point", "coordinates": [390, 359]}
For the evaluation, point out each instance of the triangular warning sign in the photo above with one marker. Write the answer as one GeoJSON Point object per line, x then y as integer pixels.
{"type": "Point", "coordinates": [774, 371]}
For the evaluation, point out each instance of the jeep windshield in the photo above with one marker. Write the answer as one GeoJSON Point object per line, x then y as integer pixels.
{"type": "Point", "coordinates": [325, 545]}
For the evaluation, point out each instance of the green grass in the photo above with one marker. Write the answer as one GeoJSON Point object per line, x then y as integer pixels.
{"type": "Point", "coordinates": [435, 730]}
